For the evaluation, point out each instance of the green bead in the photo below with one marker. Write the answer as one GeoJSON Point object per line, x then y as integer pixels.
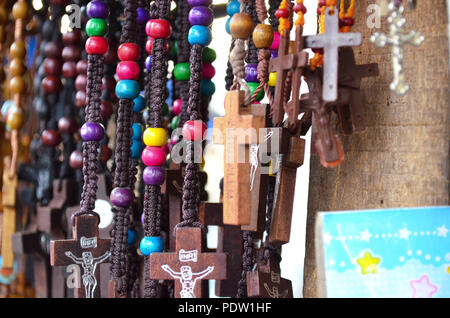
{"type": "Point", "coordinates": [253, 86]}
{"type": "Point", "coordinates": [96, 27]}
{"type": "Point", "coordinates": [209, 55]}
{"type": "Point", "coordinates": [182, 71]}
{"type": "Point", "coordinates": [173, 48]}
{"type": "Point", "coordinates": [174, 123]}
{"type": "Point", "coordinates": [165, 109]}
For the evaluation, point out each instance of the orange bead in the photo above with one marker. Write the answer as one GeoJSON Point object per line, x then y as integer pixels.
{"type": "Point", "coordinates": [16, 85]}
{"type": "Point", "coordinates": [16, 67]}
{"type": "Point", "coordinates": [17, 49]}
{"type": "Point", "coordinates": [241, 26]}
{"type": "Point", "coordinates": [20, 10]}
{"type": "Point", "coordinates": [263, 36]}
{"type": "Point", "coordinates": [15, 119]}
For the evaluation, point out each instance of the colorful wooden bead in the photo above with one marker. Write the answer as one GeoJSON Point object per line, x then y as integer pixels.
{"type": "Point", "coordinates": [127, 89]}
{"type": "Point", "coordinates": [137, 147]}
{"type": "Point", "coordinates": [128, 52]}
{"type": "Point", "coordinates": [16, 85]}
{"type": "Point", "coordinates": [182, 71]}
{"type": "Point", "coordinates": [52, 66]}
{"type": "Point", "coordinates": [91, 131]}
{"type": "Point", "coordinates": [50, 138]}
{"type": "Point", "coordinates": [155, 137]}
{"type": "Point", "coordinates": [253, 86]}
{"type": "Point", "coordinates": [149, 45]}
{"type": "Point", "coordinates": [151, 244]}
{"type": "Point", "coordinates": [20, 10]}
{"type": "Point", "coordinates": [207, 87]}
{"type": "Point", "coordinates": [208, 71]}
{"type": "Point", "coordinates": [139, 104]}
{"type": "Point", "coordinates": [177, 106]}
{"type": "Point", "coordinates": [67, 125]}
{"type": "Point", "coordinates": [200, 15]}
{"type": "Point", "coordinates": [174, 123]}
{"type": "Point", "coordinates": [127, 70]}
{"type": "Point", "coordinates": [272, 79]}
{"type": "Point", "coordinates": [194, 130]}
{"type": "Point", "coordinates": [233, 7]}
{"type": "Point", "coordinates": [158, 28]}
{"type": "Point", "coordinates": [154, 175]}
{"type": "Point", "coordinates": [148, 63]}
{"type": "Point", "coordinates": [17, 50]}
{"type": "Point", "coordinates": [51, 84]}
{"type": "Point", "coordinates": [142, 15]}
{"type": "Point", "coordinates": [76, 159]}
{"type": "Point", "coordinates": [276, 41]}
{"type": "Point", "coordinates": [137, 131]}
{"type": "Point", "coordinates": [263, 36]}
{"type": "Point", "coordinates": [227, 25]}
{"type": "Point", "coordinates": [199, 34]}
{"type": "Point", "coordinates": [241, 26]}
{"type": "Point", "coordinates": [16, 67]}
{"type": "Point", "coordinates": [96, 27]}
{"type": "Point", "coordinates": [15, 119]}
{"type": "Point", "coordinates": [131, 237]}
{"type": "Point", "coordinates": [208, 55]}
{"type": "Point", "coordinates": [282, 13]}
{"type": "Point", "coordinates": [251, 72]}
{"type": "Point", "coordinates": [97, 9]}
{"type": "Point", "coordinates": [153, 156]}
{"type": "Point", "coordinates": [121, 197]}
{"type": "Point", "coordinates": [96, 45]}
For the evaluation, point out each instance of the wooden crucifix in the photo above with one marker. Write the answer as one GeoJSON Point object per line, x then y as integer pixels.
{"type": "Point", "coordinates": [87, 250]}
{"type": "Point", "coordinates": [331, 41]}
{"type": "Point", "coordinates": [229, 241]}
{"type": "Point", "coordinates": [240, 128]}
{"type": "Point", "coordinates": [266, 282]}
{"type": "Point", "coordinates": [188, 265]}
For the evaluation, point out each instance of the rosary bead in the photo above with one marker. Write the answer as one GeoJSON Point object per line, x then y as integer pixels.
{"type": "Point", "coordinates": [50, 138]}
{"type": "Point", "coordinates": [155, 137]}
{"type": "Point", "coordinates": [348, 21]}
{"type": "Point", "coordinates": [208, 55]}
{"type": "Point", "coordinates": [16, 85]}
{"type": "Point", "coordinates": [151, 244]}
{"type": "Point", "coordinates": [129, 52]}
{"type": "Point", "coordinates": [174, 123]}
{"type": "Point", "coordinates": [142, 15]}
{"type": "Point", "coordinates": [132, 237]}
{"type": "Point", "coordinates": [253, 86]}
{"type": "Point", "coordinates": [20, 10]}
{"type": "Point", "coordinates": [67, 125]}
{"type": "Point", "coordinates": [136, 149]}
{"type": "Point", "coordinates": [127, 70]}
{"type": "Point", "coordinates": [282, 13]}
{"type": "Point", "coordinates": [207, 87]}
{"type": "Point", "coordinates": [51, 84]}
{"type": "Point", "coordinates": [52, 49]}
{"type": "Point", "coordinates": [177, 106]}
{"type": "Point", "coordinates": [15, 119]}
{"type": "Point", "coordinates": [241, 26]}
{"type": "Point", "coordinates": [127, 89]}
{"type": "Point", "coordinates": [199, 34]}
{"type": "Point", "coordinates": [96, 45]}
{"type": "Point", "coordinates": [208, 71]}
{"type": "Point", "coordinates": [196, 3]}
{"type": "Point", "coordinates": [200, 16]}
{"type": "Point", "coordinates": [137, 131]}
{"type": "Point", "coordinates": [18, 50]}
{"type": "Point", "coordinates": [121, 197]}
{"type": "Point", "coordinates": [76, 159]}
{"type": "Point", "coordinates": [182, 71]}
{"type": "Point", "coordinates": [97, 9]}
{"type": "Point", "coordinates": [96, 27]}
{"type": "Point", "coordinates": [69, 70]}
{"type": "Point", "coordinates": [80, 99]}
{"type": "Point", "coordinates": [272, 79]}
{"type": "Point", "coordinates": [106, 153]}
{"type": "Point", "coordinates": [106, 109]}
{"type": "Point", "coordinates": [227, 26]}
{"type": "Point", "coordinates": [72, 38]}
{"type": "Point", "coordinates": [233, 7]}
{"type": "Point", "coordinates": [139, 104]}
{"type": "Point", "coordinates": [276, 41]}
{"type": "Point", "coordinates": [273, 54]}
{"type": "Point", "coordinates": [158, 28]}
{"type": "Point", "coordinates": [300, 7]}
{"type": "Point", "coordinates": [52, 66]}
{"type": "Point", "coordinates": [148, 63]}
{"type": "Point", "coordinates": [153, 156]}
{"type": "Point", "coordinates": [165, 110]}
{"type": "Point", "coordinates": [16, 67]}
{"type": "Point", "coordinates": [149, 45]}
{"type": "Point", "coordinates": [251, 73]}
{"type": "Point", "coordinates": [91, 131]}
{"type": "Point", "coordinates": [81, 82]}
{"type": "Point", "coordinates": [263, 36]}
{"type": "Point", "coordinates": [194, 130]}
{"type": "Point", "coordinates": [154, 175]}
{"type": "Point", "coordinates": [82, 67]}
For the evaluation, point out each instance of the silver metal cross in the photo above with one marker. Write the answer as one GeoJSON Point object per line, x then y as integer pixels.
{"type": "Point", "coordinates": [396, 38]}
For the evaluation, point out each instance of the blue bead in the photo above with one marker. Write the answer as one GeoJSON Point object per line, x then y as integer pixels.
{"type": "Point", "coordinates": [127, 89]}
{"type": "Point", "coordinates": [139, 104]}
{"type": "Point", "coordinates": [199, 34]}
{"type": "Point", "coordinates": [207, 87]}
{"type": "Point", "coordinates": [137, 131]}
{"type": "Point", "coordinates": [136, 149]}
{"type": "Point", "coordinates": [233, 7]}
{"type": "Point", "coordinates": [132, 237]}
{"type": "Point", "coordinates": [151, 244]}
{"type": "Point", "coordinates": [227, 26]}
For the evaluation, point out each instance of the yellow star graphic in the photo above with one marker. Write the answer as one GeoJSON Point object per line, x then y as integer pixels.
{"type": "Point", "coordinates": [368, 264]}
{"type": "Point", "coordinates": [448, 270]}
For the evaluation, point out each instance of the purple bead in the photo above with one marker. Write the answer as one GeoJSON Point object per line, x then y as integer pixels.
{"type": "Point", "coordinates": [273, 54]}
{"type": "Point", "coordinates": [148, 63]}
{"type": "Point", "coordinates": [153, 175]}
{"type": "Point", "coordinates": [142, 218]}
{"type": "Point", "coordinates": [142, 15]}
{"type": "Point", "coordinates": [121, 197]}
{"type": "Point", "coordinates": [97, 9]}
{"type": "Point", "coordinates": [251, 73]}
{"type": "Point", "coordinates": [196, 3]}
{"type": "Point", "coordinates": [200, 16]}
{"type": "Point", "coordinates": [92, 131]}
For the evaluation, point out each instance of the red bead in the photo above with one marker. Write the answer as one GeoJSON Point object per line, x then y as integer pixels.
{"type": "Point", "coordinates": [106, 109]}
{"type": "Point", "coordinates": [53, 49]}
{"type": "Point", "coordinates": [81, 82]}
{"type": "Point", "coordinates": [51, 84]}
{"type": "Point", "coordinates": [194, 130]}
{"type": "Point", "coordinates": [129, 52]}
{"type": "Point", "coordinates": [208, 71]}
{"type": "Point", "coordinates": [80, 99]}
{"type": "Point", "coordinates": [106, 153]}
{"type": "Point", "coordinates": [52, 66]}
{"type": "Point", "coordinates": [96, 45]}
{"type": "Point", "coordinates": [76, 159]}
{"type": "Point", "coordinates": [82, 67]}
{"type": "Point", "coordinates": [69, 70]}
{"type": "Point", "coordinates": [72, 38]}
{"type": "Point", "coordinates": [348, 21]}
{"type": "Point", "coordinates": [322, 3]}
{"type": "Point", "coordinates": [127, 70]}
{"type": "Point", "coordinates": [282, 13]}
{"type": "Point", "coordinates": [50, 138]}
{"type": "Point", "coordinates": [158, 28]}
{"type": "Point", "coordinates": [110, 57]}
{"type": "Point", "coordinates": [67, 125]}
{"type": "Point", "coordinates": [149, 45]}
{"type": "Point", "coordinates": [71, 53]}
{"type": "Point", "coordinates": [300, 7]}
{"type": "Point", "coordinates": [111, 83]}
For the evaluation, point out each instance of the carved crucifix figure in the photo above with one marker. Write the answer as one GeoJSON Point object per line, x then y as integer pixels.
{"type": "Point", "coordinates": [266, 282]}
{"type": "Point", "coordinates": [86, 250]}
{"type": "Point", "coordinates": [237, 130]}
{"type": "Point", "coordinates": [188, 265]}
{"type": "Point", "coordinates": [331, 41]}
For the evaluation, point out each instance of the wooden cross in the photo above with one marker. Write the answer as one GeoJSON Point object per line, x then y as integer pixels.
{"type": "Point", "coordinates": [87, 250]}
{"type": "Point", "coordinates": [331, 41]}
{"type": "Point", "coordinates": [266, 282]}
{"type": "Point", "coordinates": [240, 128]}
{"type": "Point", "coordinates": [229, 241]}
{"type": "Point", "coordinates": [188, 264]}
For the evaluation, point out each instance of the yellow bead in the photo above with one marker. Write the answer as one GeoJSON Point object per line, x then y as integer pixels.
{"type": "Point", "coordinates": [15, 119]}
{"type": "Point", "coordinates": [155, 137]}
{"type": "Point", "coordinates": [272, 79]}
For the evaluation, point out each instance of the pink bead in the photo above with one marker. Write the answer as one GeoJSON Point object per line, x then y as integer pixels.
{"type": "Point", "coordinates": [177, 106]}
{"type": "Point", "coordinates": [166, 149]}
{"type": "Point", "coordinates": [174, 139]}
{"type": "Point", "coordinates": [276, 41]}
{"type": "Point", "coordinates": [208, 71]}
{"type": "Point", "coordinates": [127, 70]}
{"type": "Point", "coordinates": [153, 156]}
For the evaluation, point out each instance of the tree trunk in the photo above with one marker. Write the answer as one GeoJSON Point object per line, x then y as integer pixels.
{"type": "Point", "coordinates": [402, 160]}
